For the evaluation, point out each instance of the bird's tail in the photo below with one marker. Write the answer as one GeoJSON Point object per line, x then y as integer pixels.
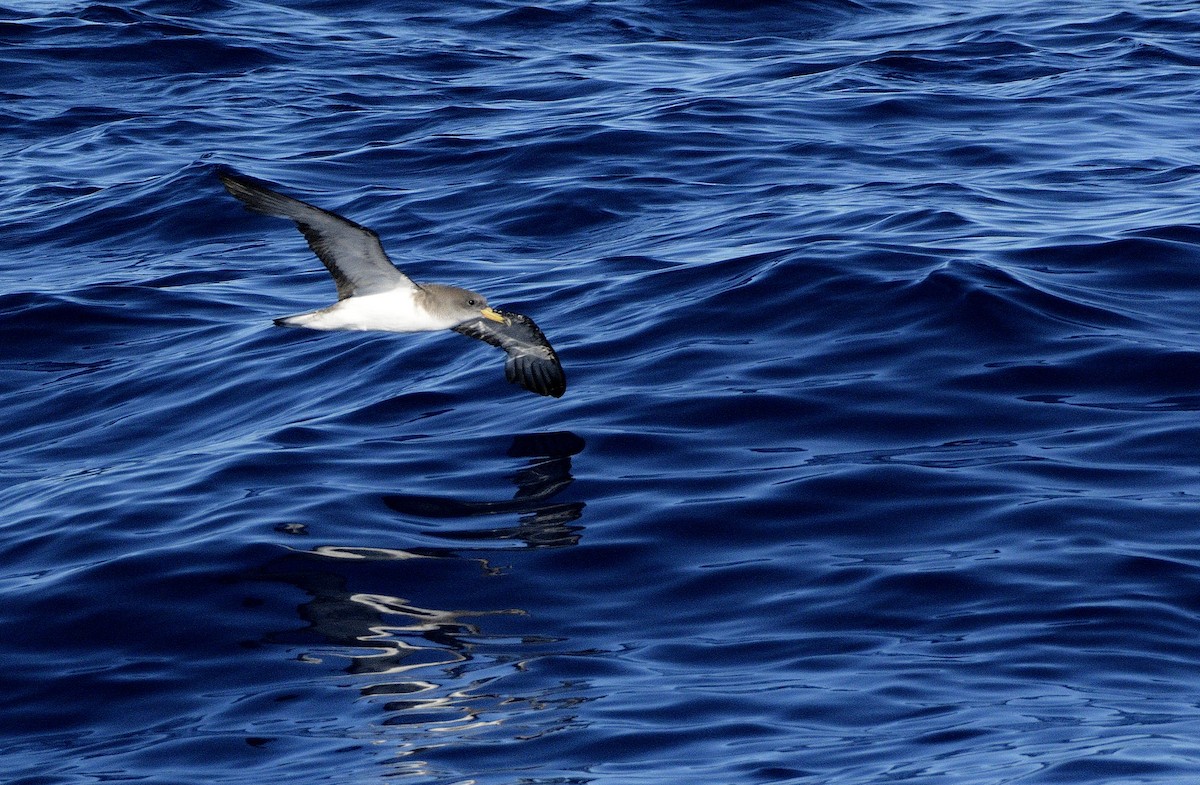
{"type": "Point", "coordinates": [295, 320]}
{"type": "Point", "coordinates": [320, 319]}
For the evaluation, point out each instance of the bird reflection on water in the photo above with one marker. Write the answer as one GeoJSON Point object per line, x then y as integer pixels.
{"type": "Point", "coordinates": [426, 663]}
{"type": "Point", "coordinates": [543, 524]}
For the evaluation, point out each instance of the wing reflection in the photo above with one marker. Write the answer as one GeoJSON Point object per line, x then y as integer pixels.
{"type": "Point", "coordinates": [542, 523]}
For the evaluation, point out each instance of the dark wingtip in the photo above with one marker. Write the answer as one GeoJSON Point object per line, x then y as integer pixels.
{"type": "Point", "coordinates": [237, 184]}
{"type": "Point", "coordinates": [258, 196]}
{"type": "Point", "coordinates": [555, 379]}
{"type": "Point", "coordinates": [544, 377]}
{"type": "Point", "coordinates": [228, 175]}
{"type": "Point", "coordinates": [225, 173]}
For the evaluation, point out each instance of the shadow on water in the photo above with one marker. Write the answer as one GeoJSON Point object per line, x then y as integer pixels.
{"type": "Point", "coordinates": [542, 523]}
{"type": "Point", "coordinates": [424, 662]}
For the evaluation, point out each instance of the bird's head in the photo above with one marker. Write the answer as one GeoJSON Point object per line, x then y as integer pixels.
{"type": "Point", "coordinates": [459, 305]}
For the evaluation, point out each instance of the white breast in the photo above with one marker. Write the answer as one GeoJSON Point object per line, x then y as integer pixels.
{"type": "Point", "coordinates": [394, 311]}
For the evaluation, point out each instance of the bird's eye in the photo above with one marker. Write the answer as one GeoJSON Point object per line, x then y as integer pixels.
{"type": "Point", "coordinates": [472, 301]}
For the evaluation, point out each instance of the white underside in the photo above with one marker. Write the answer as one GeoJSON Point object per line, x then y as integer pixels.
{"type": "Point", "coordinates": [394, 311]}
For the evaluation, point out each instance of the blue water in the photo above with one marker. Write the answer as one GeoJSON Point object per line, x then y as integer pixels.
{"type": "Point", "coordinates": [879, 461]}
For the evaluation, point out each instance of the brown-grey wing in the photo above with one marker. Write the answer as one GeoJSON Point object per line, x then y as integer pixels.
{"type": "Point", "coordinates": [352, 253]}
{"type": "Point", "coordinates": [531, 362]}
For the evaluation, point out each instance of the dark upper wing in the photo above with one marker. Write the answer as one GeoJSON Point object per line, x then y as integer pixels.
{"type": "Point", "coordinates": [352, 253]}
{"type": "Point", "coordinates": [531, 361]}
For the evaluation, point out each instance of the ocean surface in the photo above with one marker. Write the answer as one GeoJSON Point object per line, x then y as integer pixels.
{"type": "Point", "coordinates": [879, 460]}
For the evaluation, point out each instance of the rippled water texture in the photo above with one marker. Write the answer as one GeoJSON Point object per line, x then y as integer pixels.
{"type": "Point", "coordinates": [878, 461]}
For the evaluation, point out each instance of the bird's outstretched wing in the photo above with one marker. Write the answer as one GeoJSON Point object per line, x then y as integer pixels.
{"type": "Point", "coordinates": [531, 360]}
{"type": "Point", "coordinates": [352, 253]}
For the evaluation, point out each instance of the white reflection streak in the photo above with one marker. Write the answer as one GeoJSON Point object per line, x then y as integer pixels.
{"type": "Point", "coordinates": [360, 552]}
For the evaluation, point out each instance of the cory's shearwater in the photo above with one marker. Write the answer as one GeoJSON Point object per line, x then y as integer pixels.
{"type": "Point", "coordinates": [374, 295]}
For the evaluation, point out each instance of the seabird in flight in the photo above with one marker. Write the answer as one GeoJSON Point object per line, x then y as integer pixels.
{"type": "Point", "coordinates": [374, 295]}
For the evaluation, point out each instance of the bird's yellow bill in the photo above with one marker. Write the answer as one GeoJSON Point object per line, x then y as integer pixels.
{"type": "Point", "coordinates": [488, 313]}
